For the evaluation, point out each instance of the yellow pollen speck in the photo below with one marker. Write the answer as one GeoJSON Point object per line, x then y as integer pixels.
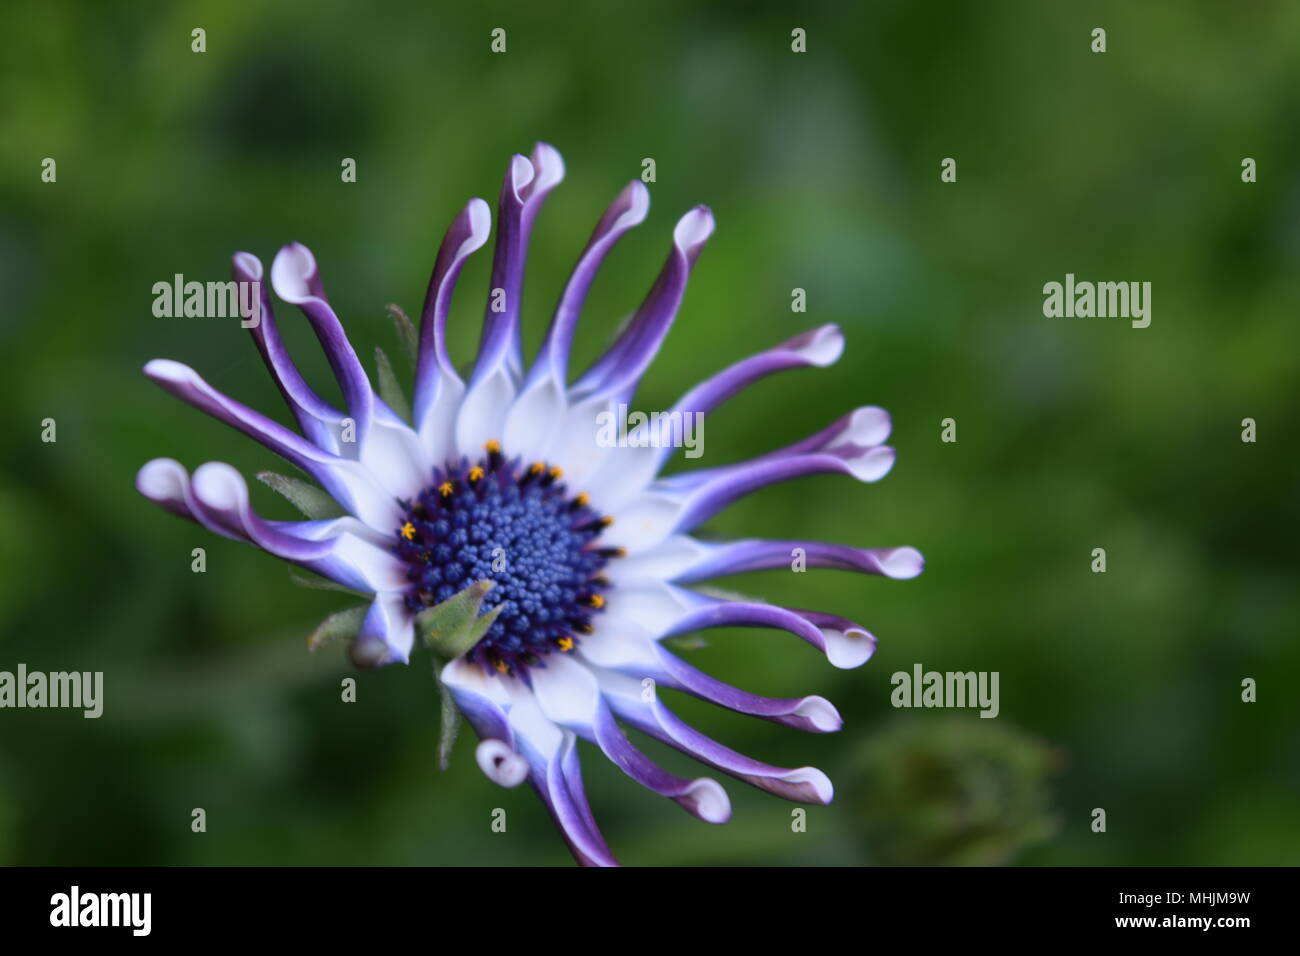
{"type": "Point", "coordinates": [582, 499]}
{"type": "Point", "coordinates": [606, 521]}
{"type": "Point", "coordinates": [475, 473]}
{"type": "Point", "coordinates": [536, 468]}
{"type": "Point", "coordinates": [492, 446]}
{"type": "Point", "coordinates": [445, 488]}
{"type": "Point", "coordinates": [557, 471]}
{"type": "Point", "coordinates": [597, 601]}
{"type": "Point", "coordinates": [500, 666]}
{"type": "Point", "coordinates": [565, 643]}
{"type": "Point", "coordinates": [408, 531]}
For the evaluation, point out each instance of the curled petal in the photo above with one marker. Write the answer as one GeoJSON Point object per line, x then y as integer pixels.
{"type": "Point", "coordinates": [342, 549]}
{"type": "Point", "coordinates": [500, 764]}
{"type": "Point", "coordinates": [817, 347]}
{"type": "Point", "coordinates": [701, 797]}
{"type": "Point", "coordinates": [538, 413]}
{"type": "Point", "coordinates": [526, 186]}
{"type": "Point", "coordinates": [845, 644]}
{"type": "Point", "coordinates": [736, 557]}
{"type": "Point", "coordinates": [318, 419]}
{"type": "Point", "coordinates": [627, 210]}
{"type": "Point", "coordinates": [569, 695]}
{"type": "Point", "coordinates": [166, 483]}
{"type": "Point", "coordinates": [812, 714]}
{"type": "Point", "coordinates": [350, 485]}
{"type": "Point", "coordinates": [438, 388]}
{"type": "Point", "coordinates": [647, 713]}
{"type": "Point", "coordinates": [296, 279]}
{"type": "Point", "coordinates": [672, 507]}
{"type": "Point", "coordinates": [617, 373]}
{"type": "Point", "coordinates": [554, 773]}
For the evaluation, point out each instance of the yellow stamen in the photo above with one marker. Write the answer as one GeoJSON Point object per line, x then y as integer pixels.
{"type": "Point", "coordinates": [536, 468]}
{"type": "Point", "coordinates": [475, 473]}
{"type": "Point", "coordinates": [492, 446]}
{"type": "Point", "coordinates": [556, 471]}
{"type": "Point", "coordinates": [500, 666]}
{"type": "Point", "coordinates": [565, 643]}
{"type": "Point", "coordinates": [445, 488]}
{"type": "Point", "coordinates": [596, 600]}
{"type": "Point", "coordinates": [582, 499]}
{"type": "Point", "coordinates": [606, 521]}
{"type": "Point", "coordinates": [408, 531]}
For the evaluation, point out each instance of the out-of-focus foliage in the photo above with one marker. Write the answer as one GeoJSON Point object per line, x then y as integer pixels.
{"type": "Point", "coordinates": [949, 791]}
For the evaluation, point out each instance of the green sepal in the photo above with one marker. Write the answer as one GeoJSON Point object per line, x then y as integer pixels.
{"type": "Point", "coordinates": [389, 389]}
{"type": "Point", "coordinates": [306, 497]}
{"type": "Point", "coordinates": [305, 579]}
{"type": "Point", "coordinates": [454, 626]}
{"type": "Point", "coordinates": [339, 625]}
{"type": "Point", "coordinates": [405, 331]}
{"type": "Point", "coordinates": [449, 725]}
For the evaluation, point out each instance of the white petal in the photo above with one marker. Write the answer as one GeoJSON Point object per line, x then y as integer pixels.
{"type": "Point", "coordinates": [483, 412]}
{"type": "Point", "coordinates": [500, 764]}
{"type": "Point", "coordinates": [533, 420]}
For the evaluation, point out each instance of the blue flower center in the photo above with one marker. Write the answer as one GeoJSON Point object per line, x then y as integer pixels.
{"type": "Point", "coordinates": [518, 527]}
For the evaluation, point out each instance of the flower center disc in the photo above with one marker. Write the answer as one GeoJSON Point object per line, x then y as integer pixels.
{"type": "Point", "coordinates": [518, 527]}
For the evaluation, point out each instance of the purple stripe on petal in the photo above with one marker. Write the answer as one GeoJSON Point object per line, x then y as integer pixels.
{"type": "Point", "coordinates": [864, 427]}
{"type": "Point", "coordinates": [617, 373]}
{"type": "Point", "coordinates": [802, 785]}
{"type": "Point", "coordinates": [702, 797]}
{"type": "Point", "coordinates": [296, 279]}
{"type": "Point", "coordinates": [466, 234]}
{"type": "Point", "coordinates": [559, 783]}
{"type": "Point", "coordinates": [861, 429]}
{"type": "Point", "coordinates": [345, 481]}
{"type": "Point", "coordinates": [472, 694]}
{"type": "Point", "coordinates": [847, 644]}
{"type": "Point", "coordinates": [760, 555]}
{"type": "Point", "coordinates": [526, 186]}
{"type": "Point", "coordinates": [813, 714]}
{"type": "Point", "coordinates": [313, 413]}
{"type": "Point", "coordinates": [186, 384]}
{"type": "Point", "coordinates": [341, 549]}
{"type": "Point", "coordinates": [734, 482]}
{"type": "Point", "coordinates": [221, 496]}
{"type": "Point", "coordinates": [628, 209]}
{"type": "Point", "coordinates": [818, 348]}
{"type": "Point", "coordinates": [387, 634]}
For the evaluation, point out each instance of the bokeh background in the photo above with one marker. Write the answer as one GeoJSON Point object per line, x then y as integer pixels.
{"type": "Point", "coordinates": [1119, 690]}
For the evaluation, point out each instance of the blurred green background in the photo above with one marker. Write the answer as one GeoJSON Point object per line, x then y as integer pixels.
{"type": "Point", "coordinates": [1119, 690]}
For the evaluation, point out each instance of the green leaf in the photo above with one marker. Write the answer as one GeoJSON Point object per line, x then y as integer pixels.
{"type": "Point", "coordinates": [389, 389]}
{"type": "Point", "coordinates": [405, 331]}
{"type": "Point", "coordinates": [305, 579]}
{"type": "Point", "coordinates": [454, 626]}
{"type": "Point", "coordinates": [339, 625]}
{"type": "Point", "coordinates": [306, 497]}
{"type": "Point", "coordinates": [451, 719]}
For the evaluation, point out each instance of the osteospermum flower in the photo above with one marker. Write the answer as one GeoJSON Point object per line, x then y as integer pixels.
{"type": "Point", "coordinates": [547, 565]}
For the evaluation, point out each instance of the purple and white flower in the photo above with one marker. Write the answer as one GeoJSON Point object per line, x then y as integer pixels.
{"type": "Point", "coordinates": [498, 477]}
